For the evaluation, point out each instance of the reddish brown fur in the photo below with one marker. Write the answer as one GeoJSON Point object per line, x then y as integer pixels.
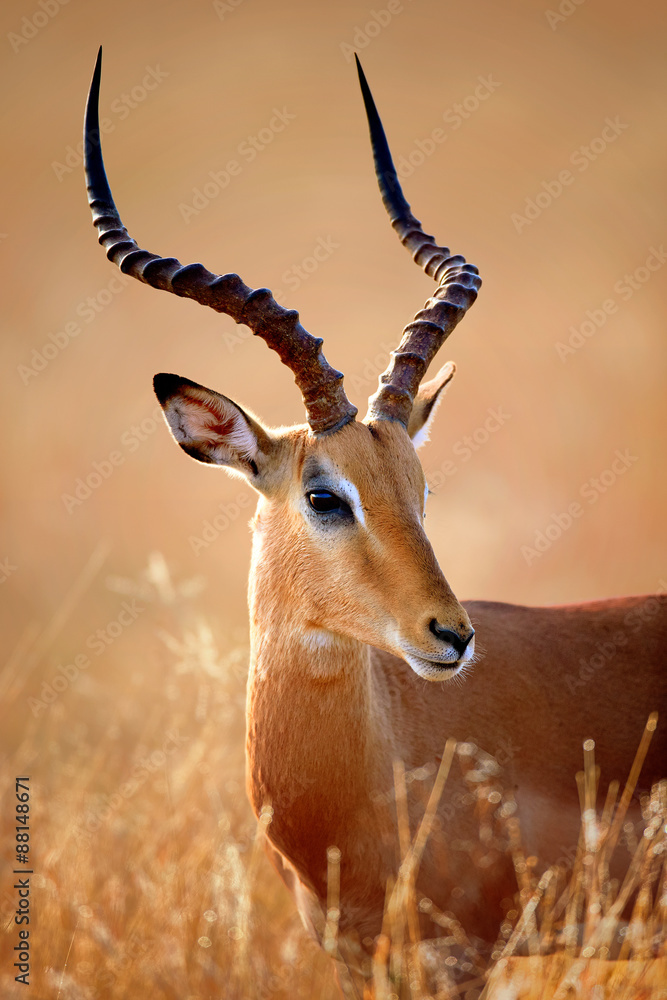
{"type": "Point", "coordinates": [325, 724]}
{"type": "Point", "coordinates": [338, 606]}
{"type": "Point", "coordinates": [331, 701]}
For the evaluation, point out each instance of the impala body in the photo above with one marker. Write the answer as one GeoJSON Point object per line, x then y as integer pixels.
{"type": "Point", "coordinates": [354, 628]}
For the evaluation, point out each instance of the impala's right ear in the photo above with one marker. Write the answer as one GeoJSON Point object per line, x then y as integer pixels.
{"type": "Point", "coordinates": [426, 403]}
{"type": "Point", "coordinates": [213, 429]}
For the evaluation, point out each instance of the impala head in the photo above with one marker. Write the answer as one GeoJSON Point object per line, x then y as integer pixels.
{"type": "Point", "coordinates": [340, 518]}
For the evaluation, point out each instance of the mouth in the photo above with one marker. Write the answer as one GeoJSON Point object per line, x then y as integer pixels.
{"type": "Point", "coordinates": [434, 670]}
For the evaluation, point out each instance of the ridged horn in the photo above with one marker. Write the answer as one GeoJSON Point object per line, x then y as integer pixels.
{"type": "Point", "coordinates": [327, 406]}
{"type": "Point", "coordinates": [458, 284]}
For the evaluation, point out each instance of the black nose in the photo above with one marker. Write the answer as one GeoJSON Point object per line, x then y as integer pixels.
{"type": "Point", "coordinates": [446, 635]}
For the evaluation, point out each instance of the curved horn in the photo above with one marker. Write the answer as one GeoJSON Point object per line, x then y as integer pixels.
{"type": "Point", "coordinates": [327, 406]}
{"type": "Point", "coordinates": [458, 284]}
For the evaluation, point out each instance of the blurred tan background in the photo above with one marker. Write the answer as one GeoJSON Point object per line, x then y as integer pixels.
{"type": "Point", "coordinates": [533, 140]}
{"type": "Point", "coordinates": [217, 73]}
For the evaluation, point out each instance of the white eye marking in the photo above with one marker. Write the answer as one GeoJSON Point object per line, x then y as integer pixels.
{"type": "Point", "coordinates": [350, 493]}
{"type": "Point", "coordinates": [426, 492]}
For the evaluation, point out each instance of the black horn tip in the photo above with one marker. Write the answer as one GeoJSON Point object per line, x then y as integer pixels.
{"type": "Point", "coordinates": [390, 188]}
{"type": "Point", "coordinates": [96, 178]}
{"type": "Point", "coordinates": [92, 104]}
{"type": "Point", "coordinates": [360, 71]}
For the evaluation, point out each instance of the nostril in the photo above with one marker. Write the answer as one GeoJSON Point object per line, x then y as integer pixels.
{"type": "Point", "coordinates": [447, 635]}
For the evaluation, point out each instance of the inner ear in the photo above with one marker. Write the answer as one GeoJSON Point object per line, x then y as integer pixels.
{"type": "Point", "coordinates": [212, 428]}
{"type": "Point", "coordinates": [426, 403]}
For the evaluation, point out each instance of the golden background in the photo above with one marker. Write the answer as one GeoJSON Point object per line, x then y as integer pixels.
{"type": "Point", "coordinates": [225, 76]}
{"type": "Point", "coordinates": [222, 69]}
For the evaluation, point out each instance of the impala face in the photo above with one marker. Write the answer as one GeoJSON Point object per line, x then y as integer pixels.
{"type": "Point", "coordinates": [339, 528]}
{"type": "Point", "coordinates": [362, 500]}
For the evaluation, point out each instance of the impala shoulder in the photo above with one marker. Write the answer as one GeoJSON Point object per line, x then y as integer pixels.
{"type": "Point", "coordinates": [482, 610]}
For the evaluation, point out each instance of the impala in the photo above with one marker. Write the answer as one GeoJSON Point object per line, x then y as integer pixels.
{"type": "Point", "coordinates": [351, 616]}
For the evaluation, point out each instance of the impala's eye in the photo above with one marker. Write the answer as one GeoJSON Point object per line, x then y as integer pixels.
{"type": "Point", "coordinates": [325, 502]}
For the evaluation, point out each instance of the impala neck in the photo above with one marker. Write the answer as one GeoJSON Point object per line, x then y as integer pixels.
{"type": "Point", "coordinates": [315, 741]}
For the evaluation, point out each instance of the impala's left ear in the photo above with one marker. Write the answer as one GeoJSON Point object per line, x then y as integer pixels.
{"type": "Point", "coordinates": [426, 403]}
{"type": "Point", "coordinates": [215, 430]}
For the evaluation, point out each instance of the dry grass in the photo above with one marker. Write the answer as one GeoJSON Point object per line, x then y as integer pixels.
{"type": "Point", "coordinates": [567, 933]}
{"type": "Point", "coordinates": [150, 879]}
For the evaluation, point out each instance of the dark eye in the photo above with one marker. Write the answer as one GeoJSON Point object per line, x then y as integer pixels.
{"type": "Point", "coordinates": [325, 502]}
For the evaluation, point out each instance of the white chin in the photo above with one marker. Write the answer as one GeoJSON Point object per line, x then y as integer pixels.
{"type": "Point", "coordinates": [430, 670]}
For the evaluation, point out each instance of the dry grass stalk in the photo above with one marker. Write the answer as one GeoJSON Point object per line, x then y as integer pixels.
{"type": "Point", "coordinates": [575, 930]}
{"type": "Point", "coordinates": [152, 881]}
{"type": "Point", "coordinates": [621, 957]}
